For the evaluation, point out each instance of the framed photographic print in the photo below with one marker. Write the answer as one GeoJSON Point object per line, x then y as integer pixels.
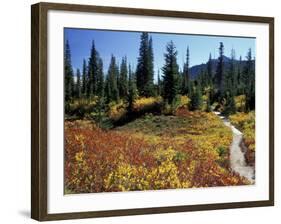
{"type": "Point", "coordinates": [139, 111]}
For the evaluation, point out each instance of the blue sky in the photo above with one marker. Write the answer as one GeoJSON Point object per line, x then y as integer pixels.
{"type": "Point", "coordinates": [120, 44]}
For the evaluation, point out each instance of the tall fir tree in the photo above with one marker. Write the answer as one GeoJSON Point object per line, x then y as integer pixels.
{"type": "Point", "coordinates": [84, 78]}
{"type": "Point", "coordinates": [230, 81]}
{"type": "Point", "coordinates": [210, 80]}
{"type": "Point", "coordinates": [100, 91]}
{"type": "Point", "coordinates": [219, 76]}
{"type": "Point", "coordinates": [159, 84]}
{"type": "Point", "coordinates": [68, 74]}
{"type": "Point", "coordinates": [118, 77]}
{"type": "Point", "coordinates": [180, 81]}
{"type": "Point", "coordinates": [111, 89]}
{"type": "Point", "coordinates": [170, 73]}
{"type": "Point", "coordinates": [248, 77]}
{"type": "Point", "coordinates": [123, 83]}
{"type": "Point", "coordinates": [186, 78]}
{"type": "Point", "coordinates": [78, 84]}
{"type": "Point", "coordinates": [149, 87]}
{"type": "Point", "coordinates": [100, 78]}
{"type": "Point", "coordinates": [132, 88]}
{"type": "Point", "coordinates": [93, 71]}
{"type": "Point", "coordinates": [230, 87]}
{"type": "Point", "coordinates": [210, 70]}
{"type": "Point", "coordinates": [144, 70]}
{"type": "Point", "coordinates": [142, 67]}
{"type": "Point", "coordinates": [239, 77]}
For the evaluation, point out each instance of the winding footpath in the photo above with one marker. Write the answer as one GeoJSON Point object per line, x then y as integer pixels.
{"type": "Point", "coordinates": [237, 157]}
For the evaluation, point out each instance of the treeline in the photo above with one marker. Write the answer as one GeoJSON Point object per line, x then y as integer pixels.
{"type": "Point", "coordinates": [228, 79]}
{"type": "Point", "coordinates": [219, 85]}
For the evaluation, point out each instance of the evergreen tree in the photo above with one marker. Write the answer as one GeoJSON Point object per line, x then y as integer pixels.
{"type": "Point", "coordinates": [84, 78]}
{"type": "Point", "coordinates": [230, 83]}
{"type": "Point", "coordinates": [171, 73]}
{"type": "Point", "coordinates": [93, 71]}
{"type": "Point", "coordinates": [144, 70]}
{"type": "Point", "coordinates": [230, 87]}
{"type": "Point", "coordinates": [186, 81]}
{"type": "Point", "coordinates": [132, 89]}
{"type": "Point", "coordinates": [78, 84]}
{"type": "Point", "coordinates": [220, 73]}
{"type": "Point", "coordinates": [100, 78]}
{"type": "Point", "coordinates": [229, 107]}
{"type": "Point", "coordinates": [233, 72]}
{"type": "Point", "coordinates": [149, 87]}
{"type": "Point", "coordinates": [118, 77]}
{"type": "Point", "coordinates": [248, 78]}
{"type": "Point", "coordinates": [239, 77]}
{"type": "Point", "coordinates": [210, 70]}
{"type": "Point", "coordinates": [123, 85]}
{"type": "Point", "coordinates": [252, 99]}
{"type": "Point", "coordinates": [159, 84]}
{"type": "Point", "coordinates": [196, 98]}
{"type": "Point", "coordinates": [210, 80]}
{"type": "Point", "coordinates": [68, 74]}
{"type": "Point", "coordinates": [112, 92]}
{"type": "Point", "coordinates": [203, 78]}
{"type": "Point", "coordinates": [180, 81]}
{"type": "Point", "coordinates": [100, 91]}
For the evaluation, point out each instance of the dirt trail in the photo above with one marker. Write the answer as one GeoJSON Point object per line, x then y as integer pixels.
{"type": "Point", "coordinates": [237, 157]}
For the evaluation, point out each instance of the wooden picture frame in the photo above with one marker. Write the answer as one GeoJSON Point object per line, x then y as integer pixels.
{"type": "Point", "coordinates": [39, 110]}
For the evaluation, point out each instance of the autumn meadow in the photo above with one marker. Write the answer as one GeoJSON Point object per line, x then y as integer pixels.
{"type": "Point", "coordinates": [142, 115]}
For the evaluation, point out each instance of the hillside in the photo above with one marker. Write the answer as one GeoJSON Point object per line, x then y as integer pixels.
{"type": "Point", "coordinates": [196, 69]}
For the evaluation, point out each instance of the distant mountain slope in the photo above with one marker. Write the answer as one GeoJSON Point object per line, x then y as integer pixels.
{"type": "Point", "coordinates": [195, 70]}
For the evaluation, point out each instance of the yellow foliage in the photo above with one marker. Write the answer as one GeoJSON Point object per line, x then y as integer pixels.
{"type": "Point", "coordinates": [146, 102]}
{"type": "Point", "coordinates": [240, 102]}
{"type": "Point", "coordinates": [79, 156]}
{"type": "Point", "coordinates": [129, 177]}
{"type": "Point", "coordinates": [184, 101]}
{"type": "Point", "coordinates": [245, 122]}
{"type": "Point", "coordinates": [84, 102]}
{"type": "Point", "coordinates": [117, 110]}
{"type": "Point", "coordinates": [165, 154]}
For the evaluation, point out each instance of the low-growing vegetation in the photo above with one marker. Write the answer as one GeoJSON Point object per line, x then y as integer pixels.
{"type": "Point", "coordinates": [150, 153]}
